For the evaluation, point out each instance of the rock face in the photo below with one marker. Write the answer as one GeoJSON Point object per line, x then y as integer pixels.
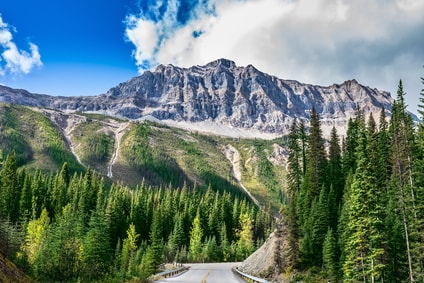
{"type": "Point", "coordinates": [270, 261]}
{"type": "Point", "coordinates": [222, 93]}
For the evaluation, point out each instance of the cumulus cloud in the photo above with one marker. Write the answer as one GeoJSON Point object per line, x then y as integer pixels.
{"type": "Point", "coordinates": [13, 59]}
{"type": "Point", "coordinates": [320, 42]}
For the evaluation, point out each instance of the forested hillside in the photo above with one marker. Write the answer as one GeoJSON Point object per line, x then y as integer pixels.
{"type": "Point", "coordinates": [353, 205]}
{"type": "Point", "coordinates": [34, 138]}
{"type": "Point", "coordinates": [355, 212]}
{"type": "Point", "coordinates": [63, 227]}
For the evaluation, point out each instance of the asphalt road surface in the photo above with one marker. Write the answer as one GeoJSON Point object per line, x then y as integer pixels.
{"type": "Point", "coordinates": [211, 272]}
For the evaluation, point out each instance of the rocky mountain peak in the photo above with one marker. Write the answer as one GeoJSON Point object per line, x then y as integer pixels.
{"type": "Point", "coordinates": [224, 63]}
{"type": "Point", "coordinates": [223, 98]}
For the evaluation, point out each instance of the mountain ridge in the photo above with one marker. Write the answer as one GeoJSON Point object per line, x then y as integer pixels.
{"type": "Point", "coordinates": [220, 93]}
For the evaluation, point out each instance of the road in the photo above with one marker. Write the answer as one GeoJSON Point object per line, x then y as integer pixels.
{"type": "Point", "coordinates": [210, 272]}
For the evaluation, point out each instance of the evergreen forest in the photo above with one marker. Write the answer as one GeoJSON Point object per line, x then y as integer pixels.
{"type": "Point", "coordinates": [63, 228]}
{"type": "Point", "coordinates": [356, 206]}
{"type": "Point", "coordinates": [353, 207]}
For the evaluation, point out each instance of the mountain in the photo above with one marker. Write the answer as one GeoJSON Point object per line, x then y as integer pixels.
{"type": "Point", "coordinates": [222, 98]}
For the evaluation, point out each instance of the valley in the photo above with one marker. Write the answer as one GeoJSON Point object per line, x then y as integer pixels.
{"type": "Point", "coordinates": [214, 163]}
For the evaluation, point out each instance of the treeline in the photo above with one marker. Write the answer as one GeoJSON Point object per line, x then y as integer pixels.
{"type": "Point", "coordinates": [72, 228]}
{"type": "Point", "coordinates": [356, 206]}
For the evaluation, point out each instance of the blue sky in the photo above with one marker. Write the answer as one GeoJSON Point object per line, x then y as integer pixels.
{"type": "Point", "coordinates": [86, 47]}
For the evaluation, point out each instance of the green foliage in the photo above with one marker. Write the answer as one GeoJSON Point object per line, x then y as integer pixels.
{"type": "Point", "coordinates": [10, 189]}
{"type": "Point", "coordinates": [329, 255]}
{"type": "Point", "coordinates": [34, 138]}
{"type": "Point", "coordinates": [356, 213]}
{"type": "Point", "coordinates": [95, 145]}
{"type": "Point", "coordinates": [196, 237]}
{"type": "Point", "coordinates": [66, 227]}
{"type": "Point", "coordinates": [245, 244]}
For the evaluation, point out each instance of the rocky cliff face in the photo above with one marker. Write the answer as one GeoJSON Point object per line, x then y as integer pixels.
{"type": "Point", "coordinates": [223, 94]}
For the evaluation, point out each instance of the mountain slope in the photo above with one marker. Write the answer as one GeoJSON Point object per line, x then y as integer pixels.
{"type": "Point", "coordinates": [221, 94]}
{"type": "Point", "coordinates": [135, 152]}
{"type": "Point", "coordinates": [35, 139]}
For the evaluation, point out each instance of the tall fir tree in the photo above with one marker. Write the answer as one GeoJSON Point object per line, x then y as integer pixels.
{"type": "Point", "coordinates": [294, 179]}
{"type": "Point", "coordinates": [363, 247]}
{"type": "Point", "coordinates": [329, 256]}
{"type": "Point", "coordinates": [96, 252]}
{"type": "Point", "coordinates": [316, 156]}
{"type": "Point", "coordinates": [311, 186]}
{"type": "Point", "coordinates": [402, 181]}
{"type": "Point", "coordinates": [10, 191]}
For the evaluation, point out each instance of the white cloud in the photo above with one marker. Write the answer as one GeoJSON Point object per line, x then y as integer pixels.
{"type": "Point", "coordinates": [12, 59]}
{"type": "Point", "coordinates": [320, 41]}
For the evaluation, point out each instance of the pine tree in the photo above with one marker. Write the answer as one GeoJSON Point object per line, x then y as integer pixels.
{"type": "Point", "coordinates": [177, 238]}
{"type": "Point", "coordinates": [320, 223]}
{"type": "Point", "coordinates": [294, 179]}
{"type": "Point", "coordinates": [350, 145]}
{"type": "Point", "coordinates": [418, 173]}
{"type": "Point", "coordinates": [329, 255]}
{"type": "Point", "coordinates": [364, 245]}
{"type": "Point", "coordinates": [39, 192]}
{"type": "Point", "coordinates": [96, 248]}
{"type": "Point", "coordinates": [211, 250]}
{"type": "Point", "coordinates": [402, 182]}
{"type": "Point", "coordinates": [316, 157]}
{"type": "Point", "coordinates": [10, 191]}
{"type": "Point", "coordinates": [303, 137]}
{"type": "Point", "coordinates": [335, 179]}
{"type": "Point", "coordinates": [310, 189]}
{"type": "Point", "coordinates": [25, 203]}
{"type": "Point", "coordinates": [196, 244]}
{"type": "Point", "coordinates": [335, 169]}
{"type": "Point", "coordinates": [58, 260]}
{"type": "Point", "coordinates": [156, 240]}
{"type": "Point", "coordinates": [383, 151]}
{"type": "Point", "coordinates": [225, 245]}
{"type": "Point", "coordinates": [59, 195]}
{"type": "Point", "coordinates": [129, 249]}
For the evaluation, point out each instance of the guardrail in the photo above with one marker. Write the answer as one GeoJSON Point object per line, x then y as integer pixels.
{"type": "Point", "coordinates": [249, 277]}
{"type": "Point", "coordinates": [168, 273]}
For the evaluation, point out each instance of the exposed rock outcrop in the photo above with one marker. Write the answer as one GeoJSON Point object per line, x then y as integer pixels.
{"type": "Point", "coordinates": [270, 261]}
{"type": "Point", "coordinates": [224, 94]}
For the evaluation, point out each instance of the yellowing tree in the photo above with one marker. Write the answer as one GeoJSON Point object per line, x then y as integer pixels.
{"type": "Point", "coordinates": [245, 244]}
{"type": "Point", "coordinates": [34, 236]}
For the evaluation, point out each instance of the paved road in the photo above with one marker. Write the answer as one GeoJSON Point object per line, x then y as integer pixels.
{"type": "Point", "coordinates": [211, 272]}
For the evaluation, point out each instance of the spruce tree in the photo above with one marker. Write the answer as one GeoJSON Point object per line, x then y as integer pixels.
{"type": "Point", "coordinates": [316, 156]}
{"type": "Point", "coordinates": [96, 249]}
{"type": "Point", "coordinates": [383, 151]}
{"type": "Point", "coordinates": [329, 256]}
{"type": "Point", "coordinates": [335, 169]}
{"type": "Point", "coordinates": [364, 248]}
{"type": "Point", "coordinates": [10, 191]}
{"type": "Point", "coordinates": [319, 226]}
{"type": "Point", "coordinates": [294, 179]}
{"type": "Point", "coordinates": [402, 181]}
{"type": "Point", "coordinates": [156, 240]}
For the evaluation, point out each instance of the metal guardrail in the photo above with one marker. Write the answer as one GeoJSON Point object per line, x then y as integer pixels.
{"type": "Point", "coordinates": [169, 273]}
{"type": "Point", "coordinates": [250, 277]}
